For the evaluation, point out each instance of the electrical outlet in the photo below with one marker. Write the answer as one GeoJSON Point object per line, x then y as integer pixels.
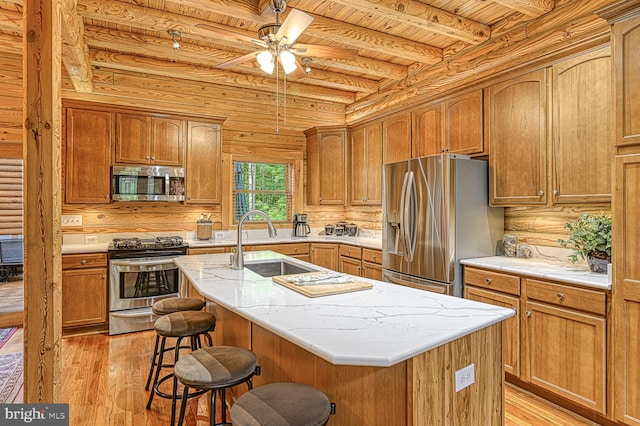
{"type": "Point", "coordinates": [218, 235]}
{"type": "Point", "coordinates": [90, 239]}
{"type": "Point", "coordinates": [71, 220]}
{"type": "Point", "coordinates": [465, 377]}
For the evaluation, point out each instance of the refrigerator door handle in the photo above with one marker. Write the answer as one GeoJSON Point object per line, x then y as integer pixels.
{"type": "Point", "coordinates": [412, 217]}
{"type": "Point", "coordinates": [402, 233]}
{"type": "Point", "coordinates": [408, 216]}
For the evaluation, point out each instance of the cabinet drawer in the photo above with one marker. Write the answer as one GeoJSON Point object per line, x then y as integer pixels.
{"type": "Point", "coordinates": [373, 256]}
{"type": "Point", "coordinates": [350, 251]}
{"type": "Point", "coordinates": [90, 260]}
{"type": "Point", "coordinates": [571, 297]}
{"type": "Point", "coordinates": [492, 280]}
{"type": "Point", "coordinates": [286, 249]}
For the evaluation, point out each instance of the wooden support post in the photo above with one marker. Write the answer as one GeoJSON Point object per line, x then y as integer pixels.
{"type": "Point", "coordinates": [42, 189]}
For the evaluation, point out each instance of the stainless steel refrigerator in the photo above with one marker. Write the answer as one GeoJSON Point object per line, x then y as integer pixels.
{"type": "Point", "coordinates": [435, 213]}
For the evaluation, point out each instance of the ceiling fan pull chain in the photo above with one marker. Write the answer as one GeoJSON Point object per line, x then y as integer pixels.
{"type": "Point", "coordinates": [277, 97]}
{"type": "Point", "coordinates": [284, 91]}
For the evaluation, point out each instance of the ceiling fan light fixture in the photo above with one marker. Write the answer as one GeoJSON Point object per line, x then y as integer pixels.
{"type": "Point", "coordinates": [288, 61]}
{"type": "Point", "coordinates": [265, 59]}
{"type": "Point", "coordinates": [175, 34]}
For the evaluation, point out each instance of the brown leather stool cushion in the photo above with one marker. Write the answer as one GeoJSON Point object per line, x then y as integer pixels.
{"type": "Point", "coordinates": [177, 304]}
{"type": "Point", "coordinates": [281, 404]}
{"type": "Point", "coordinates": [185, 323]}
{"type": "Point", "coordinates": [215, 366]}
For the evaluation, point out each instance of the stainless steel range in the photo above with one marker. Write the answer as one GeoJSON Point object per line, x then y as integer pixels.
{"type": "Point", "coordinates": [141, 272]}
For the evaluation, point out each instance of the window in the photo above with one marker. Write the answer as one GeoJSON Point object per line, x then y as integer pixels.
{"type": "Point", "coordinates": [263, 186]}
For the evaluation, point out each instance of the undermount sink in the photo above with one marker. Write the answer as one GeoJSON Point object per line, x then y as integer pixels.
{"type": "Point", "coordinates": [276, 267]}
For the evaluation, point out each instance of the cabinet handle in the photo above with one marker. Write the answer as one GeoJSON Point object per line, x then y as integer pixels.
{"type": "Point", "coordinates": [540, 194]}
{"type": "Point", "coordinates": [104, 277]}
{"type": "Point", "coordinates": [295, 249]}
{"type": "Point", "coordinates": [153, 158]}
{"type": "Point", "coordinates": [560, 296]}
{"type": "Point", "coordinates": [320, 198]}
{"type": "Point", "coordinates": [147, 157]}
{"type": "Point", "coordinates": [374, 257]}
{"type": "Point", "coordinates": [488, 280]}
{"type": "Point", "coordinates": [83, 261]}
{"type": "Point", "coordinates": [528, 313]}
{"type": "Point", "coordinates": [556, 192]}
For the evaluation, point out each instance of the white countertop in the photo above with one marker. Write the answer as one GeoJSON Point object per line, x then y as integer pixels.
{"type": "Point", "coordinates": [378, 327]}
{"type": "Point", "coordinates": [563, 272]}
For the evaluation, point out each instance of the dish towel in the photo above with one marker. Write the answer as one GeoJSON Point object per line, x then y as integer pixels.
{"type": "Point", "coordinates": [320, 279]}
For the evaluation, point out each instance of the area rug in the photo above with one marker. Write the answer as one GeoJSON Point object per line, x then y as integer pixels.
{"type": "Point", "coordinates": [11, 378]}
{"type": "Point", "coordinates": [5, 335]}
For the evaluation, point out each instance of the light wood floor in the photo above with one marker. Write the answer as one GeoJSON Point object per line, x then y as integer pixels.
{"type": "Point", "coordinates": [11, 302]}
{"type": "Point", "coordinates": [103, 381]}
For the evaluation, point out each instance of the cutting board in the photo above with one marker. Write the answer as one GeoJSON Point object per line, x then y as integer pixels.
{"type": "Point", "coordinates": [321, 289]}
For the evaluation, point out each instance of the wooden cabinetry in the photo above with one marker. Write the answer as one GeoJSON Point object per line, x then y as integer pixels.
{"type": "Point", "coordinates": [365, 159]}
{"type": "Point", "coordinates": [297, 250]}
{"type": "Point", "coordinates": [324, 254]}
{"type": "Point", "coordinates": [350, 260]}
{"type": "Point", "coordinates": [84, 290]}
{"type": "Point", "coordinates": [516, 129]}
{"type": "Point", "coordinates": [453, 125]}
{"type": "Point", "coordinates": [396, 138]}
{"type": "Point", "coordinates": [204, 171]}
{"type": "Point", "coordinates": [372, 264]}
{"type": "Point", "coordinates": [88, 155]}
{"type": "Point", "coordinates": [209, 250]}
{"type": "Point", "coordinates": [583, 129]}
{"type": "Point", "coordinates": [326, 160]}
{"type": "Point", "coordinates": [145, 139]}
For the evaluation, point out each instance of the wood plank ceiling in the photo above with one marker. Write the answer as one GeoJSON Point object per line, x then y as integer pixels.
{"type": "Point", "coordinates": [400, 44]}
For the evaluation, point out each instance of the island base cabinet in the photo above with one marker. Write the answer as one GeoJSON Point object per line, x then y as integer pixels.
{"type": "Point", "coordinates": [567, 354]}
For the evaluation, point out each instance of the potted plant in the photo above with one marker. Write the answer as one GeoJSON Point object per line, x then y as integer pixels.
{"type": "Point", "coordinates": [590, 238]}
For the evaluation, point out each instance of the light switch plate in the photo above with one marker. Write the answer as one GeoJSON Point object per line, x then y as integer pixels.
{"type": "Point", "coordinates": [71, 220]}
{"type": "Point", "coordinates": [465, 377]}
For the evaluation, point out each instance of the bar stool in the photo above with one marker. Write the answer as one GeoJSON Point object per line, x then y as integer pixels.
{"type": "Point", "coordinates": [282, 404]}
{"type": "Point", "coordinates": [180, 325]}
{"type": "Point", "coordinates": [169, 306]}
{"type": "Point", "coordinates": [214, 369]}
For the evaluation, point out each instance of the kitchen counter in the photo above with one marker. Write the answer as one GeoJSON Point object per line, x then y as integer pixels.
{"type": "Point", "coordinates": [562, 272]}
{"type": "Point", "coordinates": [378, 327]}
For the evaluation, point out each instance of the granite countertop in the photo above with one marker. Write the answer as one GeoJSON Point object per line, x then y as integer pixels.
{"type": "Point", "coordinates": [380, 327]}
{"type": "Point", "coordinates": [534, 267]}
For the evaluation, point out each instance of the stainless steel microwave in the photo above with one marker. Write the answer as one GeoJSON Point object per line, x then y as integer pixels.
{"type": "Point", "coordinates": [147, 183]}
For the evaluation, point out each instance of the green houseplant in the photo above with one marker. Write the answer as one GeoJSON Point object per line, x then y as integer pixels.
{"type": "Point", "coordinates": [590, 238]}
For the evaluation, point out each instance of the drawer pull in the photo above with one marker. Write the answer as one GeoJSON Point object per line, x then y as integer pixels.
{"type": "Point", "coordinates": [560, 296]}
{"type": "Point", "coordinates": [487, 280]}
{"type": "Point", "coordinates": [528, 313]}
{"type": "Point", "coordinates": [84, 261]}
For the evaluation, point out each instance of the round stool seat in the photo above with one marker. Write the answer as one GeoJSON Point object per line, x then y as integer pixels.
{"type": "Point", "coordinates": [215, 366]}
{"type": "Point", "coordinates": [281, 404]}
{"type": "Point", "coordinates": [177, 304]}
{"type": "Point", "coordinates": [184, 323]}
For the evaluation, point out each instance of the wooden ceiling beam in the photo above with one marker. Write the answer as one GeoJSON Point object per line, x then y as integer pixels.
{"type": "Point", "coordinates": [120, 61]}
{"type": "Point", "coordinates": [75, 54]}
{"type": "Point", "coordinates": [423, 16]}
{"type": "Point", "coordinates": [533, 8]}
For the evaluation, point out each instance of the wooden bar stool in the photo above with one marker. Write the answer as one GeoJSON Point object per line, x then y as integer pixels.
{"type": "Point", "coordinates": [282, 404]}
{"type": "Point", "coordinates": [214, 369]}
{"type": "Point", "coordinates": [179, 325]}
{"type": "Point", "coordinates": [169, 306]}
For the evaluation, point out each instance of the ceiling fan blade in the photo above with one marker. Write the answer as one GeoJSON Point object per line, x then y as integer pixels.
{"type": "Point", "coordinates": [237, 61]}
{"type": "Point", "coordinates": [296, 22]}
{"type": "Point", "coordinates": [329, 52]}
{"type": "Point", "coordinates": [260, 43]}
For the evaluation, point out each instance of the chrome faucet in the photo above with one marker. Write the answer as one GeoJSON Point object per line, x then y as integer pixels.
{"type": "Point", "coordinates": [237, 259]}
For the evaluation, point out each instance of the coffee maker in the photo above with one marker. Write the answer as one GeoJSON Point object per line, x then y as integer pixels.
{"type": "Point", "coordinates": [300, 226]}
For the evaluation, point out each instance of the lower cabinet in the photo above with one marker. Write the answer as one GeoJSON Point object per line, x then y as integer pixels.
{"type": "Point", "coordinates": [350, 260]}
{"type": "Point", "coordinates": [84, 290]}
{"type": "Point", "coordinates": [324, 254]}
{"type": "Point", "coordinates": [209, 250]}
{"type": "Point", "coordinates": [372, 264]}
{"type": "Point", "coordinates": [297, 250]}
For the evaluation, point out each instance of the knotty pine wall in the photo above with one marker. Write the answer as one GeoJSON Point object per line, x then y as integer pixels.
{"type": "Point", "coordinates": [250, 120]}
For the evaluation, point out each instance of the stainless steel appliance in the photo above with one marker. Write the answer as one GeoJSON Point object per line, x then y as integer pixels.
{"type": "Point", "coordinates": [141, 272]}
{"type": "Point", "coordinates": [147, 183]}
{"type": "Point", "coordinates": [435, 213]}
{"type": "Point", "coordinates": [300, 226]}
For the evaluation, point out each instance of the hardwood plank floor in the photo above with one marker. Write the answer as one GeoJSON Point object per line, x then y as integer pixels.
{"type": "Point", "coordinates": [103, 381]}
{"type": "Point", "coordinates": [11, 302]}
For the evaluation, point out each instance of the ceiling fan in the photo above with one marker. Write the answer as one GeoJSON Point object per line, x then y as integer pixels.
{"type": "Point", "coordinates": [279, 43]}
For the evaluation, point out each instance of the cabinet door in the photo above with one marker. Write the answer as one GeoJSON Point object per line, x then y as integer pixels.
{"type": "Point", "coordinates": [427, 132]}
{"type": "Point", "coordinates": [583, 129]}
{"type": "Point", "coordinates": [167, 136]}
{"type": "Point", "coordinates": [88, 156]}
{"type": "Point", "coordinates": [84, 297]}
{"type": "Point", "coordinates": [463, 127]}
{"type": "Point", "coordinates": [350, 266]}
{"type": "Point", "coordinates": [396, 138]}
{"type": "Point", "coordinates": [366, 166]}
{"type": "Point", "coordinates": [516, 130]}
{"type": "Point", "coordinates": [567, 354]}
{"type": "Point", "coordinates": [511, 328]}
{"type": "Point", "coordinates": [372, 271]}
{"type": "Point", "coordinates": [626, 39]}
{"type": "Point", "coordinates": [325, 255]}
{"type": "Point", "coordinates": [133, 139]}
{"type": "Point", "coordinates": [326, 161]}
{"type": "Point", "coordinates": [203, 170]}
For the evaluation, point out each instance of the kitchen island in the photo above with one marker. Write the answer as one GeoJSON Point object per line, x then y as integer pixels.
{"type": "Point", "coordinates": [385, 356]}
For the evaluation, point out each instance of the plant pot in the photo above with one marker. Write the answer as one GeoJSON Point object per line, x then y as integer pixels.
{"type": "Point", "coordinates": [598, 262]}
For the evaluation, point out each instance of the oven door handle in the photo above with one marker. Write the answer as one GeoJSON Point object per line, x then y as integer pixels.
{"type": "Point", "coordinates": [138, 313]}
{"type": "Point", "coordinates": [147, 262]}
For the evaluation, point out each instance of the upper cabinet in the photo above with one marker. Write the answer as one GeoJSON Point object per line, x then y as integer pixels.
{"type": "Point", "coordinates": [204, 147]}
{"type": "Point", "coordinates": [326, 160]}
{"type": "Point", "coordinates": [516, 128]}
{"type": "Point", "coordinates": [145, 139]}
{"type": "Point", "coordinates": [396, 138]}
{"type": "Point", "coordinates": [88, 155]}
{"type": "Point", "coordinates": [453, 125]}
{"type": "Point", "coordinates": [583, 129]}
{"type": "Point", "coordinates": [366, 165]}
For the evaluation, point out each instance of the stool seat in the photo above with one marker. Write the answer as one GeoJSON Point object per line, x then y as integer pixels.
{"type": "Point", "coordinates": [282, 404]}
{"type": "Point", "coordinates": [184, 323]}
{"type": "Point", "coordinates": [177, 304]}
